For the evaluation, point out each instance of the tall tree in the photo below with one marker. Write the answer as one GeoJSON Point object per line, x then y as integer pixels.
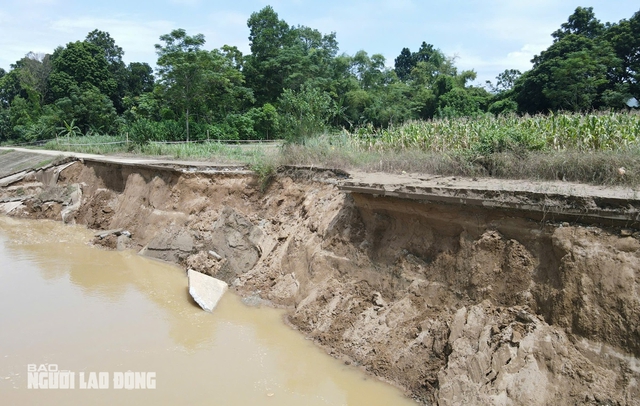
{"type": "Point", "coordinates": [180, 69]}
{"type": "Point", "coordinates": [80, 65]}
{"type": "Point", "coordinates": [624, 37]}
{"type": "Point", "coordinates": [140, 78]}
{"type": "Point", "coordinates": [206, 83]}
{"type": "Point", "coordinates": [574, 73]}
{"type": "Point", "coordinates": [117, 68]}
{"type": "Point", "coordinates": [268, 36]}
{"type": "Point", "coordinates": [404, 63]}
{"type": "Point", "coordinates": [582, 22]}
{"type": "Point", "coordinates": [504, 81]}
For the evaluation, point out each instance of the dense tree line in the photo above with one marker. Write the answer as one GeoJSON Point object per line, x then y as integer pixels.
{"type": "Point", "coordinates": [295, 83]}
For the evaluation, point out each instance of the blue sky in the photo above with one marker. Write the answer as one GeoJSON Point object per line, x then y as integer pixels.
{"type": "Point", "coordinates": [487, 36]}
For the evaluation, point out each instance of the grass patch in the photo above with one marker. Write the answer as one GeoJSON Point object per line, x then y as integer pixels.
{"type": "Point", "coordinates": [600, 167]}
{"type": "Point", "coordinates": [44, 163]}
{"type": "Point", "coordinates": [602, 148]}
{"type": "Point", "coordinates": [90, 144]}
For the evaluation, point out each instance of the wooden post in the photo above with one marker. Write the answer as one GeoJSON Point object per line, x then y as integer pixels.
{"type": "Point", "coordinates": [127, 134]}
{"type": "Point", "coordinates": [207, 136]}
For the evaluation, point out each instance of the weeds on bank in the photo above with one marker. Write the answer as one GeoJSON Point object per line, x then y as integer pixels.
{"type": "Point", "coordinates": [600, 148]}
{"type": "Point", "coordinates": [597, 148]}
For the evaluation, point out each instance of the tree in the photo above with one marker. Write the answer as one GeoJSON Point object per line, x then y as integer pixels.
{"type": "Point", "coordinates": [304, 113]}
{"type": "Point", "coordinates": [624, 37]}
{"type": "Point", "coordinates": [404, 63]}
{"type": "Point", "coordinates": [582, 22]}
{"type": "Point", "coordinates": [33, 72]}
{"type": "Point", "coordinates": [113, 55]}
{"type": "Point", "coordinates": [207, 84]}
{"type": "Point", "coordinates": [574, 81]}
{"type": "Point", "coordinates": [575, 73]}
{"type": "Point", "coordinates": [180, 70]}
{"type": "Point", "coordinates": [432, 59]}
{"type": "Point", "coordinates": [139, 78]}
{"type": "Point", "coordinates": [91, 110]}
{"type": "Point", "coordinates": [504, 81]}
{"type": "Point", "coordinates": [268, 36]}
{"type": "Point", "coordinates": [80, 65]}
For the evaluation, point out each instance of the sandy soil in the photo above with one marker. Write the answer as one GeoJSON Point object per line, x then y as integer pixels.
{"type": "Point", "coordinates": [456, 303]}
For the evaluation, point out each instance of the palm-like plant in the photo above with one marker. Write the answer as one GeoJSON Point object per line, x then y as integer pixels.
{"type": "Point", "coordinates": [69, 130]}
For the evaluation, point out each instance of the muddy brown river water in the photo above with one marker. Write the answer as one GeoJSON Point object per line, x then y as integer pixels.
{"type": "Point", "coordinates": [99, 314]}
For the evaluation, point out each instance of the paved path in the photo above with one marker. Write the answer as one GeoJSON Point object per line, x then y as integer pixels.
{"type": "Point", "coordinates": [580, 201]}
{"type": "Point", "coordinates": [120, 159]}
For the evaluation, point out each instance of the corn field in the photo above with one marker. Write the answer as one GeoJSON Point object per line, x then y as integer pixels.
{"type": "Point", "coordinates": [488, 134]}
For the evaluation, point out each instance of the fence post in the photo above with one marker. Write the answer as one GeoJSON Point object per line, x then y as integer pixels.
{"type": "Point", "coordinates": [127, 134]}
{"type": "Point", "coordinates": [207, 136]}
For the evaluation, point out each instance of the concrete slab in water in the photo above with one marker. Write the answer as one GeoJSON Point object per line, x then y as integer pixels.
{"type": "Point", "coordinates": [206, 290]}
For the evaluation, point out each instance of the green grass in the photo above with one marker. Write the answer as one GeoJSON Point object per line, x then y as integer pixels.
{"type": "Point", "coordinates": [91, 144]}
{"type": "Point", "coordinates": [44, 163]}
{"type": "Point", "coordinates": [588, 148]}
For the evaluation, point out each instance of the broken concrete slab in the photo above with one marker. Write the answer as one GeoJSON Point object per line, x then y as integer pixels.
{"type": "Point", "coordinates": [8, 207]}
{"type": "Point", "coordinates": [206, 290]}
{"type": "Point", "coordinates": [8, 180]}
{"type": "Point", "coordinates": [103, 234]}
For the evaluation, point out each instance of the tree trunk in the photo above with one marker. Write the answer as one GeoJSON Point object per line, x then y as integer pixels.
{"type": "Point", "coordinates": [187, 125]}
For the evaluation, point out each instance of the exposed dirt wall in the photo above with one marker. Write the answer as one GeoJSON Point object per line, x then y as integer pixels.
{"type": "Point", "coordinates": [455, 305]}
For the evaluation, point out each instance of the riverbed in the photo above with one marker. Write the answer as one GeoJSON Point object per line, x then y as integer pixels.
{"type": "Point", "coordinates": [68, 306]}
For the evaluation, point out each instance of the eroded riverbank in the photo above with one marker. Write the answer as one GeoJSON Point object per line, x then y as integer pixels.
{"type": "Point", "coordinates": [90, 310]}
{"type": "Point", "coordinates": [455, 304]}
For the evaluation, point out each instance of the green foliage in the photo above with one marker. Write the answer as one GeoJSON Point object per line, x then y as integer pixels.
{"type": "Point", "coordinates": [506, 106]}
{"type": "Point", "coordinates": [90, 109]}
{"type": "Point", "coordinates": [457, 102]}
{"type": "Point", "coordinates": [69, 130]}
{"type": "Point", "coordinates": [197, 82]}
{"type": "Point", "coordinates": [582, 22]}
{"type": "Point", "coordinates": [143, 131]}
{"type": "Point", "coordinates": [489, 134]}
{"type": "Point", "coordinates": [80, 65]}
{"type": "Point", "coordinates": [624, 37]}
{"type": "Point", "coordinates": [589, 66]}
{"type": "Point", "coordinates": [265, 171]}
{"type": "Point", "coordinates": [504, 81]}
{"type": "Point", "coordinates": [304, 113]}
{"type": "Point", "coordinates": [294, 85]}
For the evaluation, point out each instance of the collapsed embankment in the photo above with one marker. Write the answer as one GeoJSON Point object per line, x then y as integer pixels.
{"type": "Point", "coordinates": [455, 304]}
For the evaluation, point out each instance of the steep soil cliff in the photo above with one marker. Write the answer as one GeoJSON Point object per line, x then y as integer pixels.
{"type": "Point", "coordinates": [457, 305]}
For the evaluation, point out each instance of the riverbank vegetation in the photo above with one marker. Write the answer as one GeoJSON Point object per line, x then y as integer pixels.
{"type": "Point", "coordinates": [578, 100]}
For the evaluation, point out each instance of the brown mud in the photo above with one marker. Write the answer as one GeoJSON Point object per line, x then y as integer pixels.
{"type": "Point", "coordinates": [456, 304]}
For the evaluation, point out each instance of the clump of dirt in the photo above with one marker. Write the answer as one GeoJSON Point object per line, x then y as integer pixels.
{"type": "Point", "coordinates": [455, 305]}
{"type": "Point", "coordinates": [97, 210]}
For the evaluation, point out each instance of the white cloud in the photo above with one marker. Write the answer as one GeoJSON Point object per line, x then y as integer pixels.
{"type": "Point", "coordinates": [135, 37]}
{"type": "Point", "coordinates": [521, 59]}
{"type": "Point", "coordinates": [488, 68]}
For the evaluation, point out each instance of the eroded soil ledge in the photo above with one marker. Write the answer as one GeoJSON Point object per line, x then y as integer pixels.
{"type": "Point", "coordinates": [457, 305]}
